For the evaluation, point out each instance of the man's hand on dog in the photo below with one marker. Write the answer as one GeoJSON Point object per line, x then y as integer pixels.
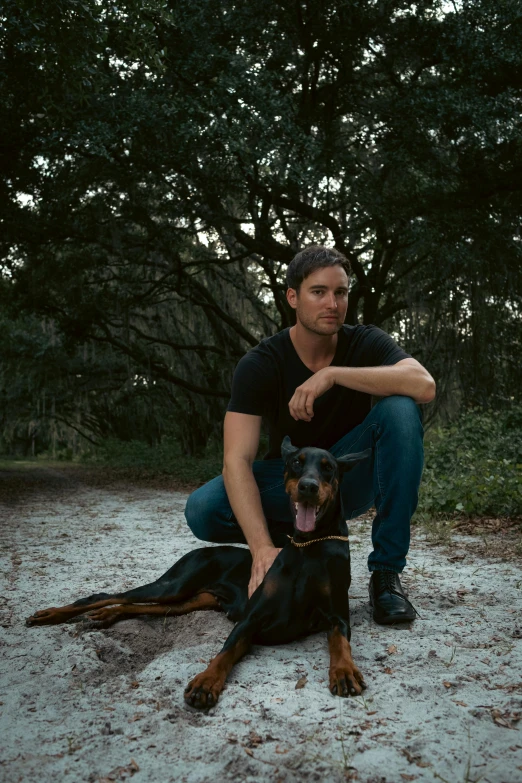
{"type": "Point", "coordinates": [301, 405]}
{"type": "Point", "coordinates": [262, 559]}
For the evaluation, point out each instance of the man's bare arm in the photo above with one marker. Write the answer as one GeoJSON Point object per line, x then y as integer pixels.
{"type": "Point", "coordinates": [408, 377]}
{"type": "Point", "coordinates": [241, 440]}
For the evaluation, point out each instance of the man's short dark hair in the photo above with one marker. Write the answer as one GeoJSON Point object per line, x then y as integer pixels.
{"type": "Point", "coordinates": [312, 258]}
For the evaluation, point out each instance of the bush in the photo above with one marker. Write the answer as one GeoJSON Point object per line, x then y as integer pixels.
{"type": "Point", "coordinates": [474, 465]}
{"type": "Point", "coordinates": [163, 459]}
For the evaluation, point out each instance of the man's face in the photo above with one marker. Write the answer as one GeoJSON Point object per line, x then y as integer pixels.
{"type": "Point", "coordinates": [322, 300]}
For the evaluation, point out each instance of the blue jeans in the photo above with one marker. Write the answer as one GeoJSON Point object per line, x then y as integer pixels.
{"type": "Point", "coordinates": [389, 480]}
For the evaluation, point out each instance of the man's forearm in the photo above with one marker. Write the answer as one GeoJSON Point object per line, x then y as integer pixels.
{"type": "Point", "coordinates": [243, 495]}
{"type": "Point", "coordinates": [408, 380]}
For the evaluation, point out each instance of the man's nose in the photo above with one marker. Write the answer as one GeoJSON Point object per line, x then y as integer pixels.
{"type": "Point", "coordinates": [333, 302]}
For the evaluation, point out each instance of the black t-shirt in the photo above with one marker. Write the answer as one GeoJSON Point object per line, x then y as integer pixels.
{"type": "Point", "coordinates": [266, 378]}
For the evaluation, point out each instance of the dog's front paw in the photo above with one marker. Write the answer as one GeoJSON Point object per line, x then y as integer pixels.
{"type": "Point", "coordinates": [346, 680]}
{"type": "Point", "coordinates": [203, 691]}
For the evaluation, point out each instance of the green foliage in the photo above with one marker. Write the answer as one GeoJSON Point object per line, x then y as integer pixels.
{"type": "Point", "coordinates": [165, 458]}
{"type": "Point", "coordinates": [474, 466]}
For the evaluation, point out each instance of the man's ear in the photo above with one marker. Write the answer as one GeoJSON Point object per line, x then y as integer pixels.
{"type": "Point", "coordinates": [286, 448]}
{"type": "Point", "coordinates": [291, 297]}
{"type": "Point", "coordinates": [347, 461]}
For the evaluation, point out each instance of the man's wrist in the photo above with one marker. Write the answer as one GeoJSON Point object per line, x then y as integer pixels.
{"type": "Point", "coordinates": [258, 550]}
{"type": "Point", "coordinates": [333, 373]}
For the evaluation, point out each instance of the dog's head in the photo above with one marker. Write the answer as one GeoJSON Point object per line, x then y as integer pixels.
{"type": "Point", "coordinates": [312, 480]}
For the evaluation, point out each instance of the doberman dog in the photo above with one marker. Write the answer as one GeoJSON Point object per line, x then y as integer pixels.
{"type": "Point", "coordinates": [305, 590]}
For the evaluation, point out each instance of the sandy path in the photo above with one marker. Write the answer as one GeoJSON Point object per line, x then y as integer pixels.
{"type": "Point", "coordinates": [82, 704]}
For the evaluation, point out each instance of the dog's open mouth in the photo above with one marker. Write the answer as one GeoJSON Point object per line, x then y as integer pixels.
{"type": "Point", "coordinates": [306, 517]}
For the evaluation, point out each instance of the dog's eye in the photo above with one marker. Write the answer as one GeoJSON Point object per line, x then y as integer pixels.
{"type": "Point", "coordinates": [296, 464]}
{"type": "Point", "coordinates": [328, 469]}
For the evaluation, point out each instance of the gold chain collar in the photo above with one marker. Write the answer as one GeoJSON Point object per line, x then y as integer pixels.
{"type": "Point", "coordinates": [314, 540]}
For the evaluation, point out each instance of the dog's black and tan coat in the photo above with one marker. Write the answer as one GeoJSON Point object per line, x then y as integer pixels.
{"type": "Point", "coordinates": [305, 590]}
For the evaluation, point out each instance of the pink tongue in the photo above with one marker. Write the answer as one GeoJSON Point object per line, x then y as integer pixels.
{"type": "Point", "coordinates": [305, 519]}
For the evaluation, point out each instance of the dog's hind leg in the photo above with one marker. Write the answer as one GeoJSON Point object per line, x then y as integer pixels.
{"type": "Point", "coordinates": [112, 614]}
{"type": "Point", "coordinates": [154, 593]}
{"type": "Point", "coordinates": [60, 614]}
{"type": "Point", "coordinates": [189, 576]}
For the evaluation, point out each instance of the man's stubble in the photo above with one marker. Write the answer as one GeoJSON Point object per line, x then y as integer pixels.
{"type": "Point", "coordinates": [315, 326]}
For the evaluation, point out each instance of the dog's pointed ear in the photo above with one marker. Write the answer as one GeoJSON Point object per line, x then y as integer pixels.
{"type": "Point", "coordinates": [286, 448]}
{"type": "Point", "coordinates": [347, 461]}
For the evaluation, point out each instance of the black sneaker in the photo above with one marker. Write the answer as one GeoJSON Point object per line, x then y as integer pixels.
{"type": "Point", "coordinates": [387, 598]}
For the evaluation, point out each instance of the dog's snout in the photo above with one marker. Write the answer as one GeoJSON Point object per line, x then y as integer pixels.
{"type": "Point", "coordinates": [308, 486]}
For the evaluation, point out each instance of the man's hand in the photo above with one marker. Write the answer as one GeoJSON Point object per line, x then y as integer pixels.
{"type": "Point", "coordinates": [262, 560]}
{"type": "Point", "coordinates": [301, 405]}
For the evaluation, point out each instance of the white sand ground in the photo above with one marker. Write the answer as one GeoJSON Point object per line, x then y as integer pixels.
{"type": "Point", "coordinates": [83, 704]}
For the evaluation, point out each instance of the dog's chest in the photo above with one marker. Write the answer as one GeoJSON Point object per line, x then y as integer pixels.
{"type": "Point", "coordinates": [300, 598]}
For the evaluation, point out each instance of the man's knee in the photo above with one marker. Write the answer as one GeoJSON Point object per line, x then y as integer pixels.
{"type": "Point", "coordinates": [400, 414]}
{"type": "Point", "coordinates": [199, 513]}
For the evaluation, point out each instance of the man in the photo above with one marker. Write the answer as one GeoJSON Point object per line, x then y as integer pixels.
{"type": "Point", "coordinates": [315, 382]}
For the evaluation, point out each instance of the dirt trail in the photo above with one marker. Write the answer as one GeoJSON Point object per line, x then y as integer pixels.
{"type": "Point", "coordinates": [78, 703]}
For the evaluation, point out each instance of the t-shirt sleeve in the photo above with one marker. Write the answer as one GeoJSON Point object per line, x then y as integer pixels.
{"type": "Point", "coordinates": [252, 385]}
{"type": "Point", "coordinates": [380, 349]}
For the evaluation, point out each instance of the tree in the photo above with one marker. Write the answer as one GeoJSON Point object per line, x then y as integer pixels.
{"type": "Point", "coordinates": [175, 156]}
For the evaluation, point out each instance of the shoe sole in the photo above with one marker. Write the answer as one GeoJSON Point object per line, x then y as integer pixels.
{"type": "Point", "coordinates": [392, 620]}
